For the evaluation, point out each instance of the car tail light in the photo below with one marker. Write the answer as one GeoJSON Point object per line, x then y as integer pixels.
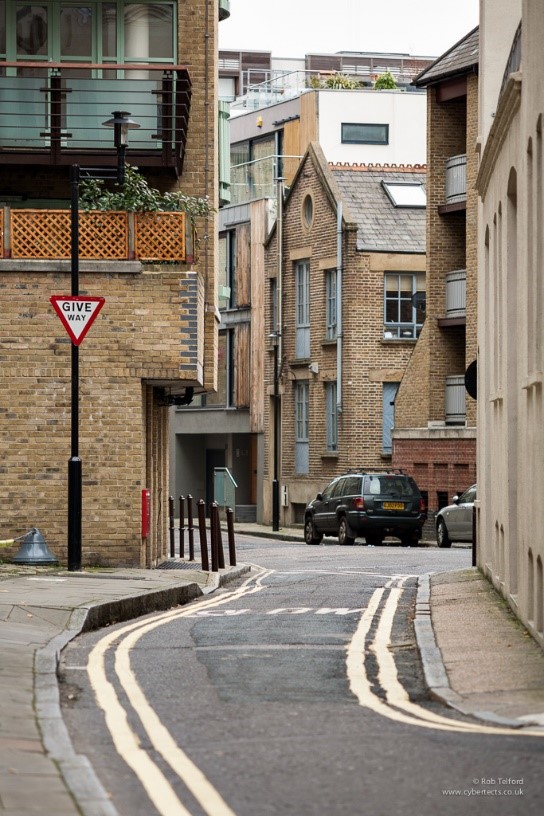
{"type": "Point", "coordinates": [359, 503]}
{"type": "Point", "coordinates": [422, 507]}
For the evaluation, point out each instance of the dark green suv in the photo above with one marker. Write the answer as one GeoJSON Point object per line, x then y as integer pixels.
{"type": "Point", "coordinates": [371, 504]}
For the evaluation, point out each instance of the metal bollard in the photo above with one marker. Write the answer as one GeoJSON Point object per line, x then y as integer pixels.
{"type": "Point", "coordinates": [220, 551]}
{"type": "Point", "coordinates": [230, 530]}
{"type": "Point", "coordinates": [190, 529]}
{"type": "Point", "coordinates": [172, 531]}
{"type": "Point", "coordinates": [214, 519]}
{"type": "Point", "coordinates": [201, 509]}
{"type": "Point", "coordinates": [181, 528]}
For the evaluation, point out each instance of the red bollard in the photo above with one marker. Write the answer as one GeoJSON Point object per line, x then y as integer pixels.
{"type": "Point", "coordinates": [190, 529]}
{"type": "Point", "coordinates": [201, 510]}
{"type": "Point", "coordinates": [230, 530]}
{"type": "Point", "coordinates": [172, 528]}
{"type": "Point", "coordinates": [181, 528]}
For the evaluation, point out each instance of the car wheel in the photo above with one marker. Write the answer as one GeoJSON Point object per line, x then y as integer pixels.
{"type": "Point", "coordinates": [442, 536]}
{"type": "Point", "coordinates": [310, 534]}
{"type": "Point", "coordinates": [374, 540]}
{"type": "Point", "coordinates": [343, 532]}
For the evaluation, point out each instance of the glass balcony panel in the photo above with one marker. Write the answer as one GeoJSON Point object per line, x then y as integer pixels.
{"type": "Point", "coordinates": [456, 179]}
{"type": "Point", "coordinates": [24, 112]}
{"type": "Point", "coordinates": [92, 102]}
{"type": "Point", "coordinates": [456, 293]}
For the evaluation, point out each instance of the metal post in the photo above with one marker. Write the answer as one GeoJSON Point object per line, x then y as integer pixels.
{"type": "Point", "coordinates": [74, 465]}
{"type": "Point", "coordinates": [230, 529]}
{"type": "Point", "coordinates": [474, 535]}
{"type": "Point", "coordinates": [181, 528]}
{"type": "Point", "coordinates": [220, 551]}
{"type": "Point", "coordinates": [276, 444]}
{"type": "Point", "coordinates": [172, 527]}
{"type": "Point", "coordinates": [190, 529]}
{"type": "Point", "coordinates": [214, 518]}
{"type": "Point", "coordinates": [201, 509]}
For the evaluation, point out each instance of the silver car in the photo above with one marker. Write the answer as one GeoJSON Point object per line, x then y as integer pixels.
{"type": "Point", "coordinates": [454, 522]}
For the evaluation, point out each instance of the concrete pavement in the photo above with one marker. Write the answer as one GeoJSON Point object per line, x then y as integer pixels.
{"type": "Point", "coordinates": [475, 654]}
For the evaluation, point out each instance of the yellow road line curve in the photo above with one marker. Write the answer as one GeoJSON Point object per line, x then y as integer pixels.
{"type": "Point", "coordinates": [126, 742]}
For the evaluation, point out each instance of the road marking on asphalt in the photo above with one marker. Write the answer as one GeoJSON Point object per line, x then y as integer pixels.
{"type": "Point", "coordinates": [410, 713]}
{"type": "Point", "coordinates": [126, 741]}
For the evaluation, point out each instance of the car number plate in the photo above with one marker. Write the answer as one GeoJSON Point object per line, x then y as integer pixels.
{"type": "Point", "coordinates": [393, 505]}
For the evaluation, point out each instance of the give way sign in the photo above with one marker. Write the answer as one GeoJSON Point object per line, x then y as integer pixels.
{"type": "Point", "coordinates": [77, 314]}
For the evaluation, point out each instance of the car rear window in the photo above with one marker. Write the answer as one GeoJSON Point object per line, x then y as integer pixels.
{"type": "Point", "coordinates": [390, 485]}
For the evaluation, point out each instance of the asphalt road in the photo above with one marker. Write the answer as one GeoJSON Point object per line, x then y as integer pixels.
{"type": "Point", "coordinates": [258, 700]}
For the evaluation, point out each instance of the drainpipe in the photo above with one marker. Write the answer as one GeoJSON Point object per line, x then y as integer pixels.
{"type": "Point", "coordinates": [339, 262]}
{"type": "Point", "coordinates": [277, 365]}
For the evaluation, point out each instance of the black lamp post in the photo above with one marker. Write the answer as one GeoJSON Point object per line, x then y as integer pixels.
{"type": "Point", "coordinates": [121, 124]}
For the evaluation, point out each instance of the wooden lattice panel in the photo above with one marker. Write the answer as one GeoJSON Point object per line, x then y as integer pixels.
{"type": "Point", "coordinates": [103, 235]}
{"type": "Point", "coordinates": [160, 236]}
{"type": "Point", "coordinates": [43, 234]}
{"type": "Point", "coordinates": [46, 234]}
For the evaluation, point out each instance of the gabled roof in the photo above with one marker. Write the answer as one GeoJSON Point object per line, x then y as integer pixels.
{"type": "Point", "coordinates": [382, 226]}
{"type": "Point", "coordinates": [462, 58]}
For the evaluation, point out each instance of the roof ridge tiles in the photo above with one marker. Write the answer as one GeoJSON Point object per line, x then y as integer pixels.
{"type": "Point", "coordinates": [381, 168]}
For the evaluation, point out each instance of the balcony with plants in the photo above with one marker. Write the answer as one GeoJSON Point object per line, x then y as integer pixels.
{"type": "Point", "coordinates": [128, 222]}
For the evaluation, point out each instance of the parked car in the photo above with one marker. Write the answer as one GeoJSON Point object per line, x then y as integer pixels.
{"type": "Point", "coordinates": [373, 504]}
{"type": "Point", "coordinates": [454, 522]}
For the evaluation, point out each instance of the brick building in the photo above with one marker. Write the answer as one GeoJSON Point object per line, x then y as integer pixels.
{"type": "Point", "coordinates": [435, 433]}
{"type": "Point", "coordinates": [342, 305]}
{"type": "Point", "coordinates": [62, 73]}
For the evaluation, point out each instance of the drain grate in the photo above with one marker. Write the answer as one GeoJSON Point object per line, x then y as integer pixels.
{"type": "Point", "coordinates": [191, 565]}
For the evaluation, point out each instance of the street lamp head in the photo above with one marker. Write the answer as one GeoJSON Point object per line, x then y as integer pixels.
{"type": "Point", "coordinates": [121, 124]}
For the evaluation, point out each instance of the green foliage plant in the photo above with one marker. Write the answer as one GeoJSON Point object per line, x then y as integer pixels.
{"type": "Point", "coordinates": [385, 82]}
{"type": "Point", "coordinates": [137, 196]}
{"type": "Point", "coordinates": [337, 81]}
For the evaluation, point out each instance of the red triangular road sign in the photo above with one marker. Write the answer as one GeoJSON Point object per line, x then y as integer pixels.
{"type": "Point", "coordinates": [77, 314]}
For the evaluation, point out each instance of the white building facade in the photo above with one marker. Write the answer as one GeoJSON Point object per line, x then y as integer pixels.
{"type": "Point", "coordinates": [511, 306]}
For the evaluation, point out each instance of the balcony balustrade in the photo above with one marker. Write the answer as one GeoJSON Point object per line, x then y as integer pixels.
{"type": "Point", "coordinates": [52, 113]}
{"type": "Point", "coordinates": [456, 293]}
{"type": "Point", "coordinates": [455, 400]}
{"type": "Point", "coordinates": [456, 179]}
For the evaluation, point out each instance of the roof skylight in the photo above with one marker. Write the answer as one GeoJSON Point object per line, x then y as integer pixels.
{"type": "Point", "coordinates": [405, 194]}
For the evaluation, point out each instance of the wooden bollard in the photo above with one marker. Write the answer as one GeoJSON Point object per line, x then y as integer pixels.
{"type": "Point", "coordinates": [214, 519]}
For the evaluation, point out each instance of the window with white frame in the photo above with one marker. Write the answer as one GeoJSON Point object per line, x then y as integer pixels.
{"type": "Point", "coordinates": [404, 305]}
{"type": "Point", "coordinates": [302, 427]}
{"type": "Point", "coordinates": [302, 309]}
{"type": "Point", "coordinates": [331, 411]}
{"type": "Point", "coordinates": [330, 303]}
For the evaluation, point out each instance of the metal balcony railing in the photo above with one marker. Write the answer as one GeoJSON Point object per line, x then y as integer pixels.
{"type": "Point", "coordinates": [53, 113]}
{"type": "Point", "coordinates": [455, 400]}
{"type": "Point", "coordinates": [456, 293]}
{"type": "Point", "coordinates": [456, 178]}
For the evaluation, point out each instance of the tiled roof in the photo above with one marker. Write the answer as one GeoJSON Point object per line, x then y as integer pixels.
{"type": "Point", "coordinates": [382, 227]}
{"type": "Point", "coordinates": [461, 58]}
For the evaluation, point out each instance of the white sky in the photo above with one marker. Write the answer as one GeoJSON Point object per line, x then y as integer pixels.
{"type": "Point", "coordinates": [293, 28]}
